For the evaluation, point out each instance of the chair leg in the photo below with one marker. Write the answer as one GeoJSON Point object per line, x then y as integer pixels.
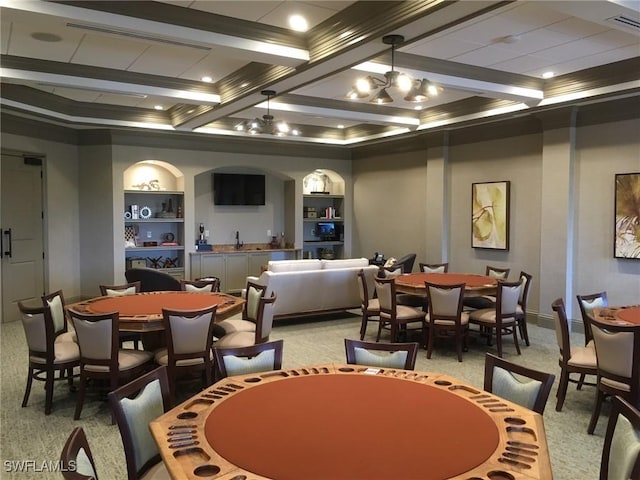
{"type": "Point", "coordinates": [80, 399]}
{"type": "Point", "coordinates": [581, 381]}
{"type": "Point", "coordinates": [499, 341]}
{"type": "Point", "coordinates": [431, 335]}
{"type": "Point", "coordinates": [27, 390]}
{"type": "Point", "coordinates": [48, 391]}
{"type": "Point", "coordinates": [515, 338]}
{"type": "Point", "coordinates": [596, 412]}
{"type": "Point", "coordinates": [562, 389]}
{"type": "Point", "coordinates": [363, 326]}
{"type": "Point", "coordinates": [459, 340]}
{"type": "Point", "coordinates": [524, 333]}
{"type": "Point", "coordinates": [380, 325]}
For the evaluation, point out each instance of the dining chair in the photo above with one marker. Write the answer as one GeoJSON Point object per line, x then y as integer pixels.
{"type": "Point", "coordinates": [261, 357]}
{"type": "Point", "coordinates": [264, 325]}
{"type": "Point", "coordinates": [200, 286]}
{"type": "Point", "coordinates": [189, 338]}
{"type": "Point", "coordinates": [134, 406]}
{"type": "Point", "coordinates": [101, 358]}
{"type": "Point", "coordinates": [580, 360]}
{"type": "Point", "coordinates": [502, 318]}
{"type": "Point", "coordinates": [76, 459]}
{"type": "Point", "coordinates": [63, 331]}
{"type": "Point", "coordinates": [587, 303]}
{"type": "Point", "coordinates": [621, 451]}
{"type": "Point", "coordinates": [395, 316]}
{"type": "Point", "coordinates": [487, 301]}
{"type": "Point", "coordinates": [521, 309]}
{"type": "Point", "coordinates": [434, 267]}
{"type": "Point", "coordinates": [407, 262]}
{"type": "Point", "coordinates": [507, 380]}
{"type": "Point", "coordinates": [445, 316]}
{"type": "Point", "coordinates": [497, 272]}
{"type": "Point", "coordinates": [388, 355]}
{"type": "Point", "coordinates": [46, 355]}
{"type": "Point", "coordinates": [618, 352]}
{"type": "Point", "coordinates": [369, 306]}
{"type": "Point", "coordinates": [254, 291]}
{"type": "Point", "coordinates": [124, 289]}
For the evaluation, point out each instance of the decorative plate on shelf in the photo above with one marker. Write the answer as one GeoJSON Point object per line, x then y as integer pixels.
{"type": "Point", "coordinates": [145, 212]}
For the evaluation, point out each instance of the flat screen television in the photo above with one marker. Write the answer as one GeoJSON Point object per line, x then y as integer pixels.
{"type": "Point", "coordinates": [326, 230]}
{"type": "Point", "coordinates": [238, 189]}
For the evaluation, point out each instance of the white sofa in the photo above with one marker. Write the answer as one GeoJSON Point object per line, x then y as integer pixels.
{"type": "Point", "coordinates": [308, 287]}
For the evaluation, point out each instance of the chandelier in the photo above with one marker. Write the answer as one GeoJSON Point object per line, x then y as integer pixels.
{"type": "Point", "coordinates": [415, 90]}
{"type": "Point", "coordinates": [267, 124]}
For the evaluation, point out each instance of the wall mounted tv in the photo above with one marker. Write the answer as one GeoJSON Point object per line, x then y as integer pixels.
{"type": "Point", "coordinates": [238, 189]}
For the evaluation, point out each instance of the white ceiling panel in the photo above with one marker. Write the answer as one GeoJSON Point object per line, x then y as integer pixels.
{"type": "Point", "coordinates": [109, 52]}
{"type": "Point", "coordinates": [167, 60]}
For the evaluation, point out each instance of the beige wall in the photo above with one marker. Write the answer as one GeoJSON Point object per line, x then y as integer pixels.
{"type": "Point", "coordinates": [561, 230]}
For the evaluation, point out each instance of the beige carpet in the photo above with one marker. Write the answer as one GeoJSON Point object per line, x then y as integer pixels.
{"type": "Point", "coordinates": [27, 434]}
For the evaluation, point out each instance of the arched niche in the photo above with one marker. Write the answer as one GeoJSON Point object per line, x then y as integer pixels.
{"type": "Point", "coordinates": [323, 180]}
{"type": "Point", "coordinates": [150, 175]}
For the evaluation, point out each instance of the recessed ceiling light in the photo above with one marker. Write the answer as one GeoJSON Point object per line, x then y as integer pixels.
{"type": "Point", "coordinates": [298, 23]}
{"type": "Point", "coordinates": [46, 37]}
{"type": "Point", "coordinates": [207, 79]}
{"type": "Point", "coordinates": [340, 126]}
{"type": "Point", "coordinates": [418, 107]}
{"type": "Point", "coordinates": [159, 107]}
{"type": "Point", "coordinates": [548, 75]}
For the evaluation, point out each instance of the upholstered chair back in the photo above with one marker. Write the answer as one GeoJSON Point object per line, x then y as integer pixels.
{"type": "Point", "coordinates": [385, 355]}
{"type": "Point", "coordinates": [434, 267]}
{"type": "Point", "coordinates": [189, 334]}
{"type": "Point", "coordinates": [261, 357]}
{"type": "Point", "coordinates": [385, 289]}
{"type": "Point", "coordinates": [55, 302]}
{"type": "Point", "coordinates": [614, 351]}
{"type": "Point", "coordinates": [621, 450]}
{"type": "Point", "coordinates": [95, 338]}
{"type": "Point", "coordinates": [444, 302]}
{"type": "Point", "coordinates": [497, 273]}
{"type": "Point", "coordinates": [509, 300]}
{"type": "Point", "coordinates": [35, 330]}
{"type": "Point", "coordinates": [265, 315]}
{"type": "Point", "coordinates": [562, 328]}
{"type": "Point", "coordinates": [254, 293]}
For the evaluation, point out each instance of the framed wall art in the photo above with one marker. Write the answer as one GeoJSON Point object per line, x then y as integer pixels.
{"type": "Point", "coordinates": [490, 215]}
{"type": "Point", "coordinates": [627, 216]}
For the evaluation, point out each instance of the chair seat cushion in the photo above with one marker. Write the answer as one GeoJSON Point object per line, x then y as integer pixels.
{"type": "Point", "coordinates": [162, 358]}
{"type": "Point", "coordinates": [127, 359]}
{"type": "Point", "coordinates": [487, 315]}
{"type": "Point", "coordinates": [237, 339]}
{"type": "Point", "coordinates": [374, 307]}
{"type": "Point", "coordinates": [404, 313]}
{"type": "Point", "coordinates": [623, 387]}
{"type": "Point", "coordinates": [233, 326]}
{"type": "Point", "coordinates": [63, 352]}
{"type": "Point", "coordinates": [69, 336]}
{"type": "Point", "coordinates": [464, 320]}
{"type": "Point", "coordinates": [583, 357]}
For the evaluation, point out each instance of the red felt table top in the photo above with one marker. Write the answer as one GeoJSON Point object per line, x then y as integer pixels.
{"type": "Point", "coordinates": [152, 303]}
{"type": "Point", "coordinates": [351, 428]}
{"type": "Point", "coordinates": [629, 314]}
{"type": "Point", "coordinates": [472, 280]}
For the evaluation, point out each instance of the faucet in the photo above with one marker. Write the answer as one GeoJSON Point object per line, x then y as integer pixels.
{"type": "Point", "coordinates": [239, 244]}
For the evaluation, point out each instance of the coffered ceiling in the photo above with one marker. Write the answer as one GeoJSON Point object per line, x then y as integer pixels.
{"type": "Point", "coordinates": [110, 64]}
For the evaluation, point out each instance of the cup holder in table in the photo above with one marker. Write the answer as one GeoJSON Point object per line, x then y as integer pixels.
{"type": "Point", "coordinates": [206, 470]}
{"type": "Point", "coordinates": [500, 475]}
{"type": "Point", "coordinates": [253, 380]}
{"type": "Point", "coordinates": [187, 415]}
{"type": "Point", "coordinates": [443, 383]}
{"type": "Point", "coordinates": [515, 421]}
{"type": "Point", "coordinates": [346, 369]}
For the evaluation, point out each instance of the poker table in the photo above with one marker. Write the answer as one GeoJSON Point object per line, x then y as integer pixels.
{"type": "Point", "coordinates": [623, 315]}
{"type": "Point", "coordinates": [348, 422]}
{"type": "Point", "coordinates": [142, 312]}
{"type": "Point", "coordinates": [475, 285]}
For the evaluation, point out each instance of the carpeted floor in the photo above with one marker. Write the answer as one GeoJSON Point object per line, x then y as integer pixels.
{"type": "Point", "coordinates": [27, 434]}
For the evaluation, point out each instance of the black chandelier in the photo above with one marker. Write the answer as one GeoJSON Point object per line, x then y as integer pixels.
{"type": "Point", "coordinates": [415, 90]}
{"type": "Point", "coordinates": [267, 124]}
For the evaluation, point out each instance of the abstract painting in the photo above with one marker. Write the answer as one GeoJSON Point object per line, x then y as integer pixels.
{"type": "Point", "coordinates": [627, 218]}
{"type": "Point", "coordinates": [490, 215]}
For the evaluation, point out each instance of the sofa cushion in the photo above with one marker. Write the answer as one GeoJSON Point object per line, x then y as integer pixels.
{"type": "Point", "coordinates": [344, 263]}
{"type": "Point", "coordinates": [293, 265]}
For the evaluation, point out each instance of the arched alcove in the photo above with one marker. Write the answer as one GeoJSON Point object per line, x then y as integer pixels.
{"type": "Point", "coordinates": [154, 233]}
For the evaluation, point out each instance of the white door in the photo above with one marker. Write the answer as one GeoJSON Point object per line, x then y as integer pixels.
{"type": "Point", "coordinates": [21, 218]}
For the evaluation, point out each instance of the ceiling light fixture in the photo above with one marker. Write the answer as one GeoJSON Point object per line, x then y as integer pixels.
{"type": "Point", "coordinates": [267, 124]}
{"type": "Point", "coordinates": [415, 90]}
